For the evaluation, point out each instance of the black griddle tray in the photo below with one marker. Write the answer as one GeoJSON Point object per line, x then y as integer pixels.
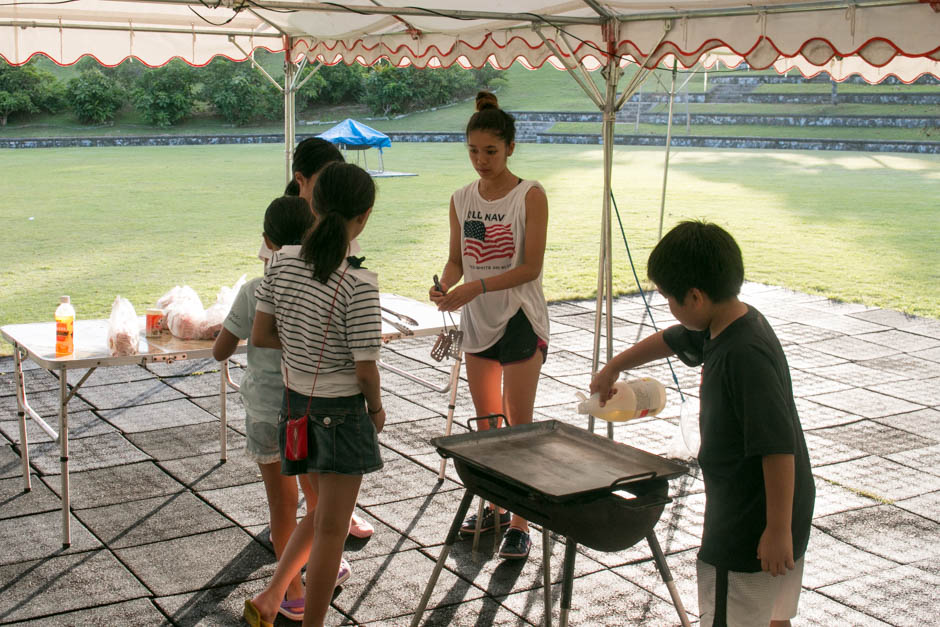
{"type": "Point", "coordinates": [555, 460]}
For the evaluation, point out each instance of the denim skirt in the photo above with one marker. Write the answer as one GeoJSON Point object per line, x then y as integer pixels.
{"type": "Point", "coordinates": [341, 437]}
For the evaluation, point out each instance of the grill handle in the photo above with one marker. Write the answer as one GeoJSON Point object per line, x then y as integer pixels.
{"type": "Point", "coordinates": [493, 420]}
{"type": "Point", "coordinates": [640, 476]}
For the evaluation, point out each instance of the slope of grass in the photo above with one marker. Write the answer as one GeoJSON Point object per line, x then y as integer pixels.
{"type": "Point", "coordinates": [728, 130]}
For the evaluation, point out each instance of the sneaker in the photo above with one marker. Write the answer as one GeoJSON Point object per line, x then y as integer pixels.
{"type": "Point", "coordinates": [516, 545]}
{"type": "Point", "coordinates": [344, 572]}
{"type": "Point", "coordinates": [359, 527]}
{"type": "Point", "coordinates": [470, 524]}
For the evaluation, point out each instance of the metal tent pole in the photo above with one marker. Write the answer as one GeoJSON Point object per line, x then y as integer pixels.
{"type": "Point", "coordinates": [289, 113]}
{"type": "Point", "coordinates": [672, 98]}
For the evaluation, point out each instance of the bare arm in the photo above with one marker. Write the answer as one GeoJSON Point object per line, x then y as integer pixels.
{"type": "Point", "coordinates": [453, 270]}
{"type": "Point", "coordinates": [367, 374]}
{"type": "Point", "coordinates": [225, 344]}
{"type": "Point", "coordinates": [646, 350]}
{"type": "Point", "coordinates": [536, 230]}
{"type": "Point", "coordinates": [775, 549]}
{"type": "Point", "coordinates": [264, 331]}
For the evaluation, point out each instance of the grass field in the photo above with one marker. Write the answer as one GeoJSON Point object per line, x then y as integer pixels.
{"type": "Point", "coordinates": [98, 222]}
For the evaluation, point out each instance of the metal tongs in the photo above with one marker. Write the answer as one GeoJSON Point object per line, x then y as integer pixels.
{"type": "Point", "coordinates": [400, 327]}
{"type": "Point", "coordinates": [402, 317]}
{"type": "Point", "coordinates": [449, 341]}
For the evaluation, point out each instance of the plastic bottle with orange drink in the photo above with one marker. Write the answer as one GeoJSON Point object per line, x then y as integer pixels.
{"type": "Point", "coordinates": [64, 328]}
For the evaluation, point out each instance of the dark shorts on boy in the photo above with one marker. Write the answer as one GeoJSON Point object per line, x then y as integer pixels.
{"type": "Point", "coordinates": [519, 342]}
{"type": "Point", "coordinates": [341, 437]}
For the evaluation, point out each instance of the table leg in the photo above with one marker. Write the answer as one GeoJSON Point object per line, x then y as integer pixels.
{"type": "Point", "coordinates": [64, 457]}
{"type": "Point", "coordinates": [660, 560]}
{"type": "Point", "coordinates": [451, 406]}
{"type": "Point", "coordinates": [567, 581]}
{"type": "Point", "coordinates": [21, 415]}
{"type": "Point", "coordinates": [223, 419]}
{"type": "Point", "coordinates": [442, 558]}
{"type": "Point", "coordinates": [547, 575]}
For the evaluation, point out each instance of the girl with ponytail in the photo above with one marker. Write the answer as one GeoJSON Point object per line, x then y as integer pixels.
{"type": "Point", "coordinates": [321, 308]}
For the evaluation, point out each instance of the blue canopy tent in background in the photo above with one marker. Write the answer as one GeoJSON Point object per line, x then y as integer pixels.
{"type": "Point", "coordinates": [352, 135]}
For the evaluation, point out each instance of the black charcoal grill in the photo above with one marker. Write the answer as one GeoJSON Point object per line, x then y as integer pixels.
{"type": "Point", "coordinates": [569, 481]}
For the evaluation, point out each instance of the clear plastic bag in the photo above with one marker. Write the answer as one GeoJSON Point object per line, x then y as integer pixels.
{"type": "Point", "coordinates": [123, 328]}
{"type": "Point", "coordinates": [218, 311]}
{"type": "Point", "coordinates": [185, 315]}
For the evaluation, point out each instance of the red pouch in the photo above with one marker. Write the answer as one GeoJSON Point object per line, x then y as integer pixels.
{"type": "Point", "coordinates": [295, 448]}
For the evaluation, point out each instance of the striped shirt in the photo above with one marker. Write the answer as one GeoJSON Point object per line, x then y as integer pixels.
{"type": "Point", "coordinates": [301, 307]}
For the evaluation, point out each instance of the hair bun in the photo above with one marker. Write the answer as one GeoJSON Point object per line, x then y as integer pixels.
{"type": "Point", "coordinates": [486, 100]}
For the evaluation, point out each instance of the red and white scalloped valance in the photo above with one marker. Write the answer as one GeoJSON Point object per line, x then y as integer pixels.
{"type": "Point", "coordinates": [874, 41]}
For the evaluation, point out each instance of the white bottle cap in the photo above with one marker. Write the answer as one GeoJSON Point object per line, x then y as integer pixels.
{"type": "Point", "coordinates": [65, 299]}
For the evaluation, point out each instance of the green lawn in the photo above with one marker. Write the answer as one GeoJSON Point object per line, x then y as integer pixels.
{"type": "Point", "coordinates": [97, 222]}
{"type": "Point", "coordinates": [729, 130]}
{"type": "Point", "coordinates": [747, 108]}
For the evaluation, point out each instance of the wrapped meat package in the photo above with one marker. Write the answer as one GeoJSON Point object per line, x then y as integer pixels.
{"type": "Point", "coordinates": [123, 328]}
{"type": "Point", "coordinates": [187, 319]}
{"type": "Point", "coordinates": [217, 312]}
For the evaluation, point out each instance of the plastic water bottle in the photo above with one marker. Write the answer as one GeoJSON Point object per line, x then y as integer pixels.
{"type": "Point", "coordinates": [632, 399]}
{"type": "Point", "coordinates": [64, 328]}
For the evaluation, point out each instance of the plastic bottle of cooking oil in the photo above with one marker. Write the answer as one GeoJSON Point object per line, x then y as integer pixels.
{"type": "Point", "coordinates": [64, 327]}
{"type": "Point", "coordinates": [635, 398]}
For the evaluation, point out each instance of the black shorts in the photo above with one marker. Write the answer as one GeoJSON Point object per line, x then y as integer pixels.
{"type": "Point", "coordinates": [519, 342]}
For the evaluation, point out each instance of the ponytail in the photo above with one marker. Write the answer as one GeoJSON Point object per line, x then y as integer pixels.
{"type": "Point", "coordinates": [343, 192]}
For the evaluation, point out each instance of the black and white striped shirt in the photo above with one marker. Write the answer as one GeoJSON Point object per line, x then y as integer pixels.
{"type": "Point", "coordinates": [301, 307]}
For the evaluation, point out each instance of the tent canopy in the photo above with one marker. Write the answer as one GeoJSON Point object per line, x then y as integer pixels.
{"type": "Point", "coordinates": [355, 135]}
{"type": "Point", "coordinates": [873, 38]}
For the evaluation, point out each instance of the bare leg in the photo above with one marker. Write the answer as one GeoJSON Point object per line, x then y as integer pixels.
{"type": "Point", "coordinates": [337, 498]}
{"type": "Point", "coordinates": [780, 623]}
{"type": "Point", "coordinates": [282, 507]}
{"type": "Point", "coordinates": [520, 381]}
{"type": "Point", "coordinates": [484, 379]}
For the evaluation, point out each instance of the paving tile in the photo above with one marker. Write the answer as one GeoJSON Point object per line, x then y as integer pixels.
{"type": "Point", "coordinates": [925, 459]}
{"type": "Point", "coordinates": [187, 564]}
{"type": "Point", "coordinates": [587, 321]}
{"type": "Point", "coordinates": [36, 380]}
{"type": "Point", "coordinates": [832, 498]}
{"type": "Point", "coordinates": [681, 566]}
{"type": "Point", "coordinates": [844, 324]}
{"type": "Point", "coordinates": [925, 422]}
{"type": "Point", "coordinates": [852, 348]}
{"type": "Point", "coordinates": [39, 536]}
{"type": "Point", "coordinates": [128, 394]}
{"type": "Point", "coordinates": [110, 449]}
{"type": "Point", "coordinates": [838, 307]}
{"type": "Point", "coordinates": [155, 416]}
{"type": "Point", "coordinates": [414, 438]}
{"type": "Point", "coordinates": [824, 450]}
{"type": "Point", "coordinates": [895, 596]}
{"type": "Point", "coordinates": [908, 366]}
{"type": "Point", "coordinates": [804, 357]}
{"type": "Point", "coordinates": [152, 520]}
{"type": "Point", "coordinates": [109, 375]}
{"type": "Point", "coordinates": [886, 531]}
{"type": "Point", "coordinates": [818, 609]}
{"type": "Point", "coordinates": [83, 424]}
{"type": "Point", "coordinates": [565, 362]}
{"type": "Point", "coordinates": [203, 384]}
{"type": "Point", "coordinates": [878, 478]}
{"type": "Point", "coordinates": [926, 505]}
{"type": "Point", "coordinates": [931, 354]}
{"type": "Point", "coordinates": [902, 341]}
{"type": "Point", "coordinates": [871, 437]}
{"type": "Point", "coordinates": [922, 391]}
{"type": "Point", "coordinates": [392, 357]}
{"type": "Point", "coordinates": [46, 404]}
{"type": "Point", "coordinates": [807, 384]}
{"type": "Point", "coordinates": [174, 443]}
{"type": "Point", "coordinates": [137, 612]}
{"type": "Point", "coordinates": [15, 502]}
{"type": "Point", "coordinates": [581, 341]}
{"type": "Point", "coordinates": [864, 403]}
{"type": "Point", "coordinates": [796, 333]}
{"type": "Point", "coordinates": [246, 504]}
{"type": "Point", "coordinates": [473, 613]}
{"type": "Point", "coordinates": [402, 386]}
{"type": "Point", "coordinates": [419, 406]}
{"type": "Point", "coordinates": [116, 484]}
{"type": "Point", "coordinates": [551, 392]}
{"type": "Point", "coordinates": [900, 320]}
{"type": "Point", "coordinates": [653, 436]}
{"type": "Point", "coordinates": [816, 416]}
{"type": "Point", "coordinates": [234, 410]}
{"type": "Point", "coordinates": [206, 472]}
{"type": "Point", "coordinates": [184, 367]}
{"type": "Point", "coordinates": [390, 586]}
{"type": "Point", "coordinates": [65, 583]}
{"type": "Point", "coordinates": [595, 599]}
{"type": "Point", "coordinates": [828, 560]}
{"type": "Point", "coordinates": [563, 308]}
{"type": "Point", "coordinates": [400, 479]}
{"type": "Point", "coordinates": [425, 519]}
{"type": "Point", "coordinates": [856, 375]}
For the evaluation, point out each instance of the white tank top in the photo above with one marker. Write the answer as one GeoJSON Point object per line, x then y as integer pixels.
{"type": "Point", "coordinates": [493, 241]}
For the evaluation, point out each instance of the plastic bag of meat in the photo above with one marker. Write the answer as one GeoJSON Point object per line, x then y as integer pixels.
{"type": "Point", "coordinates": [217, 312]}
{"type": "Point", "coordinates": [185, 315]}
{"type": "Point", "coordinates": [123, 328]}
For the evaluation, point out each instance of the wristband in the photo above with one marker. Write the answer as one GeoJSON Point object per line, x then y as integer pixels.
{"type": "Point", "coordinates": [372, 413]}
{"type": "Point", "coordinates": [483, 285]}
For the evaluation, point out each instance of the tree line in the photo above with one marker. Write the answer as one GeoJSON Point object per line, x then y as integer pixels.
{"type": "Point", "coordinates": [236, 92]}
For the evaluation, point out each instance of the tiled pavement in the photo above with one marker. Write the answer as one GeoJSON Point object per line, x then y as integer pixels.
{"type": "Point", "coordinates": [164, 534]}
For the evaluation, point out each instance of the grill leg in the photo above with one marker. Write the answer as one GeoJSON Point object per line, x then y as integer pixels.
{"type": "Point", "coordinates": [660, 560]}
{"type": "Point", "coordinates": [476, 530]}
{"type": "Point", "coordinates": [442, 558]}
{"type": "Point", "coordinates": [547, 575]}
{"type": "Point", "coordinates": [567, 582]}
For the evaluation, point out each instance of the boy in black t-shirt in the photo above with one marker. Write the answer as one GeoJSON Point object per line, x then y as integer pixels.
{"type": "Point", "coordinates": [759, 489]}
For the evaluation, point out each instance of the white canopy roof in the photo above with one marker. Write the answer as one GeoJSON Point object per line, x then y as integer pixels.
{"type": "Point", "coordinates": [873, 38]}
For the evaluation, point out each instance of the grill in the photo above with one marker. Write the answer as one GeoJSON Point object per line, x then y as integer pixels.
{"type": "Point", "coordinates": [568, 481]}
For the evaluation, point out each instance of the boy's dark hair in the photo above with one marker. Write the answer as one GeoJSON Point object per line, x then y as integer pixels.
{"type": "Point", "coordinates": [697, 254]}
{"type": "Point", "coordinates": [489, 117]}
{"type": "Point", "coordinates": [343, 192]}
{"type": "Point", "coordinates": [287, 219]}
{"type": "Point", "coordinates": [312, 154]}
